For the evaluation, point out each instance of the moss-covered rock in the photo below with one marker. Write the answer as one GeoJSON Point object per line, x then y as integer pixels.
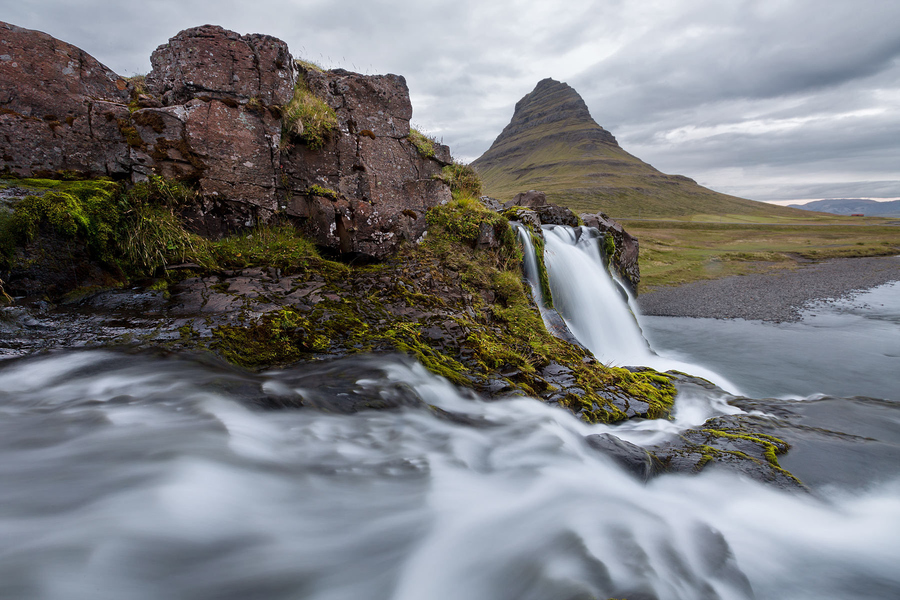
{"type": "Point", "coordinates": [267, 297]}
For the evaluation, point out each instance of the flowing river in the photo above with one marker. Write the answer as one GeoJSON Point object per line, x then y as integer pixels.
{"type": "Point", "coordinates": [147, 476]}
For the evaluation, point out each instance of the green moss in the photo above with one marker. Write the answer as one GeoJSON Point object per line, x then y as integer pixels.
{"type": "Point", "coordinates": [150, 119]}
{"type": "Point", "coordinates": [5, 299]}
{"type": "Point", "coordinates": [406, 337]}
{"type": "Point", "coordinates": [279, 245]}
{"type": "Point", "coordinates": [772, 446]}
{"type": "Point", "coordinates": [128, 130]}
{"type": "Point", "coordinates": [461, 221]}
{"type": "Point", "coordinates": [543, 277]}
{"type": "Point", "coordinates": [318, 190]}
{"type": "Point", "coordinates": [307, 117]}
{"type": "Point", "coordinates": [255, 104]}
{"type": "Point", "coordinates": [609, 246]}
{"type": "Point", "coordinates": [278, 338]}
{"type": "Point", "coordinates": [8, 238]}
{"type": "Point", "coordinates": [86, 209]}
{"type": "Point", "coordinates": [138, 85]}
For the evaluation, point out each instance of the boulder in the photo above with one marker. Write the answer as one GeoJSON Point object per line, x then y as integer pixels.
{"type": "Point", "coordinates": [491, 203]}
{"type": "Point", "coordinates": [625, 255]}
{"type": "Point", "coordinates": [630, 457]}
{"type": "Point", "coordinates": [557, 215]}
{"type": "Point", "coordinates": [54, 102]}
{"type": "Point", "coordinates": [210, 62]}
{"type": "Point", "coordinates": [529, 199]}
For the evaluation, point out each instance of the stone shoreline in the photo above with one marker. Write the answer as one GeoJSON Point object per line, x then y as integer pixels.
{"type": "Point", "coordinates": [778, 296]}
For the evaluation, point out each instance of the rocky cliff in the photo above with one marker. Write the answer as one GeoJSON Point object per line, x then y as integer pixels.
{"type": "Point", "coordinates": [212, 112]}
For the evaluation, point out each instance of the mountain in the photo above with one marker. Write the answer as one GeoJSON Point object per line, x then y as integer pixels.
{"type": "Point", "coordinates": [552, 144]}
{"type": "Point", "coordinates": [852, 206]}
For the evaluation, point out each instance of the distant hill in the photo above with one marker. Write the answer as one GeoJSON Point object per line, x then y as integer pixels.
{"type": "Point", "coordinates": [852, 206]}
{"type": "Point", "coordinates": [552, 144]}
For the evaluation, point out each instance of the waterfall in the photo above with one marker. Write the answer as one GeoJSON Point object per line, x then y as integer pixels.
{"type": "Point", "coordinates": [591, 302]}
{"type": "Point", "coordinates": [530, 265]}
{"type": "Point", "coordinates": [596, 308]}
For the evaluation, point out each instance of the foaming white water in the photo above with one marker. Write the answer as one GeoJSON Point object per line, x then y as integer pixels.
{"type": "Point", "coordinates": [530, 265]}
{"type": "Point", "coordinates": [204, 497]}
{"type": "Point", "coordinates": [599, 311]}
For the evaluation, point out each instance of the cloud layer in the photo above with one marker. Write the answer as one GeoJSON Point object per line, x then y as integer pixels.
{"type": "Point", "coordinates": [765, 99]}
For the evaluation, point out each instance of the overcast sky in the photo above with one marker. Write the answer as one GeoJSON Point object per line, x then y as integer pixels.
{"type": "Point", "coordinates": [764, 99]}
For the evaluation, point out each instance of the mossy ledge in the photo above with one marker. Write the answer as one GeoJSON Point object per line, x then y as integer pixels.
{"type": "Point", "coordinates": [266, 297]}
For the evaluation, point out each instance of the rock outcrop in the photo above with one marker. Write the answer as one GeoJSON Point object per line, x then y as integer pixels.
{"type": "Point", "coordinates": [625, 249]}
{"type": "Point", "coordinates": [60, 109]}
{"type": "Point", "coordinates": [211, 112]}
{"type": "Point", "coordinates": [369, 186]}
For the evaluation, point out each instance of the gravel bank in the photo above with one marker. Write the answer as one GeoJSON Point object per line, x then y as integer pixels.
{"type": "Point", "coordinates": [771, 297]}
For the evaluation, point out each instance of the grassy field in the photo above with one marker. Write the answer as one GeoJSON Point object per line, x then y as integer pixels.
{"type": "Point", "coordinates": [705, 247]}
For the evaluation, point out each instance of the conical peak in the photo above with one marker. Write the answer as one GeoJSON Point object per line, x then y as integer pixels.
{"type": "Point", "coordinates": [550, 109]}
{"type": "Point", "coordinates": [553, 99]}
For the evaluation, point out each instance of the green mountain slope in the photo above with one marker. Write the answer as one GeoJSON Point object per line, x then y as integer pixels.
{"type": "Point", "coordinates": [552, 144]}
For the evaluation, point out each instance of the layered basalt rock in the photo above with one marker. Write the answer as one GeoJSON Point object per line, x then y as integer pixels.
{"type": "Point", "coordinates": [210, 112]}
{"type": "Point", "coordinates": [624, 257]}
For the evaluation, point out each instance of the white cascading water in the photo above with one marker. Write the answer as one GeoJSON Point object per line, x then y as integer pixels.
{"type": "Point", "coordinates": [530, 265]}
{"type": "Point", "coordinates": [143, 477]}
{"type": "Point", "coordinates": [597, 309]}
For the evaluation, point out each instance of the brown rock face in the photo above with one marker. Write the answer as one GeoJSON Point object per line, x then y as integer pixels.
{"type": "Point", "coordinates": [211, 115]}
{"type": "Point", "coordinates": [211, 62]}
{"type": "Point", "coordinates": [372, 188]}
{"type": "Point", "coordinates": [54, 102]}
{"type": "Point", "coordinates": [529, 199]}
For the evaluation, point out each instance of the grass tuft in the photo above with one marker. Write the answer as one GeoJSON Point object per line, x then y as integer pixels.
{"type": "Point", "coordinates": [462, 179]}
{"type": "Point", "coordinates": [307, 117]}
{"type": "Point", "coordinates": [424, 143]}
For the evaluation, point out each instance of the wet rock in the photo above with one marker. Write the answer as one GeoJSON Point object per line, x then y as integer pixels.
{"type": "Point", "coordinates": [625, 255]}
{"type": "Point", "coordinates": [846, 442]}
{"type": "Point", "coordinates": [630, 457]}
{"type": "Point", "coordinates": [343, 386]}
{"type": "Point", "coordinates": [557, 215]}
{"type": "Point", "coordinates": [558, 375]}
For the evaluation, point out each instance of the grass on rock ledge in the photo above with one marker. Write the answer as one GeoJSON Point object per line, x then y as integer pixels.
{"type": "Point", "coordinates": [463, 312]}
